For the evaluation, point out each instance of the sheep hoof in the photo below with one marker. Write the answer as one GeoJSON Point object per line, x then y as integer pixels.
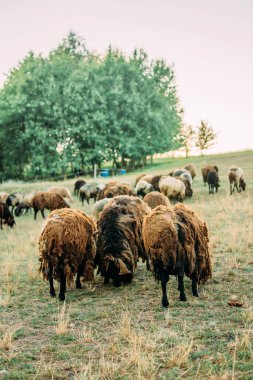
{"type": "Point", "coordinates": [52, 294]}
{"type": "Point", "coordinates": [165, 303]}
{"type": "Point", "coordinates": [61, 297]}
{"type": "Point", "coordinates": [196, 294]}
{"type": "Point", "coordinates": [78, 286]}
{"type": "Point", "coordinates": [183, 298]}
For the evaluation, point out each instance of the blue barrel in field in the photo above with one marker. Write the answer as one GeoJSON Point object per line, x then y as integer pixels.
{"type": "Point", "coordinates": [122, 171]}
{"type": "Point", "coordinates": [104, 173]}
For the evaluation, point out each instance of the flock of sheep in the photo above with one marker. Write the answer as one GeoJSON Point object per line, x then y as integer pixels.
{"type": "Point", "coordinates": [124, 228]}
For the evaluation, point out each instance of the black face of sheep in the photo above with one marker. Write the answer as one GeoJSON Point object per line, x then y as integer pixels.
{"type": "Point", "coordinates": [117, 270]}
{"type": "Point", "coordinates": [10, 222]}
{"type": "Point", "coordinates": [242, 184]}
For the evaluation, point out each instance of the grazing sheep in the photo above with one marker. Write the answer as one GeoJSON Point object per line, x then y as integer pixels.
{"type": "Point", "coordinates": [236, 180]}
{"type": "Point", "coordinates": [137, 179]}
{"type": "Point", "coordinates": [155, 182]}
{"type": "Point", "coordinates": [6, 215]}
{"type": "Point", "coordinates": [143, 188]}
{"type": "Point", "coordinates": [51, 201]}
{"type": "Point", "coordinates": [88, 191]}
{"type": "Point", "coordinates": [206, 169]}
{"type": "Point", "coordinates": [99, 206]}
{"type": "Point", "coordinates": [213, 181]}
{"type": "Point", "coordinates": [67, 247]}
{"type": "Point", "coordinates": [155, 198]}
{"type": "Point", "coordinates": [148, 178]}
{"type": "Point", "coordinates": [176, 241]}
{"type": "Point", "coordinates": [25, 205]}
{"type": "Point", "coordinates": [172, 188]}
{"type": "Point", "coordinates": [192, 169]}
{"type": "Point", "coordinates": [117, 244]}
{"type": "Point", "coordinates": [62, 191]}
{"type": "Point", "coordinates": [140, 209]}
{"type": "Point", "coordinates": [186, 182]}
{"type": "Point", "coordinates": [77, 186]}
{"type": "Point", "coordinates": [183, 173]}
{"type": "Point", "coordinates": [13, 200]}
{"type": "Point", "coordinates": [114, 189]}
{"type": "Point", "coordinates": [3, 196]}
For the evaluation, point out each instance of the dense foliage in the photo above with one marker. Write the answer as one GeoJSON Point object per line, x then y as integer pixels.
{"type": "Point", "coordinates": [73, 109]}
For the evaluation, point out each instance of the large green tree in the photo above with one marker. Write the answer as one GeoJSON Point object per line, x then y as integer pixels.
{"type": "Point", "coordinates": [74, 109]}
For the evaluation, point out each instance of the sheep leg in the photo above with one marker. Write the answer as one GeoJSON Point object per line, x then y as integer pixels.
{"type": "Point", "coordinates": [52, 290]}
{"type": "Point", "coordinates": [35, 213]}
{"type": "Point", "coordinates": [62, 286]}
{"type": "Point", "coordinates": [195, 292]}
{"type": "Point", "coordinates": [181, 288]}
{"type": "Point", "coordinates": [1, 222]}
{"type": "Point", "coordinates": [147, 264]}
{"type": "Point", "coordinates": [42, 213]}
{"type": "Point", "coordinates": [164, 279]}
{"type": "Point", "coordinates": [231, 189]}
{"type": "Point", "coordinates": [79, 274]}
{"type": "Point", "coordinates": [106, 280]}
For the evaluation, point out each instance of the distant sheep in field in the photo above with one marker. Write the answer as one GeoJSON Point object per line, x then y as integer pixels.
{"type": "Point", "coordinates": [155, 198]}
{"type": "Point", "coordinates": [6, 215]}
{"type": "Point", "coordinates": [137, 179]}
{"type": "Point", "coordinates": [62, 191]}
{"type": "Point", "coordinates": [155, 181]}
{"type": "Point", "coordinates": [25, 205]}
{"type": "Point", "coordinates": [213, 181]}
{"type": "Point", "coordinates": [113, 189]}
{"type": "Point", "coordinates": [77, 186]}
{"type": "Point", "coordinates": [67, 247]}
{"type": "Point", "coordinates": [206, 169]}
{"type": "Point", "coordinates": [236, 179]}
{"type": "Point", "coordinates": [176, 241]}
{"type": "Point", "coordinates": [183, 173]}
{"type": "Point", "coordinates": [3, 196]}
{"type": "Point", "coordinates": [50, 201]}
{"type": "Point", "coordinates": [88, 191]}
{"type": "Point", "coordinates": [192, 169]}
{"type": "Point", "coordinates": [99, 206]}
{"type": "Point", "coordinates": [13, 200]}
{"type": "Point", "coordinates": [172, 188]}
{"type": "Point", "coordinates": [142, 188]}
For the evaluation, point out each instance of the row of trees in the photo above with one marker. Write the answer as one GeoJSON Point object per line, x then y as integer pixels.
{"type": "Point", "coordinates": [73, 109]}
{"type": "Point", "coordinates": [203, 137]}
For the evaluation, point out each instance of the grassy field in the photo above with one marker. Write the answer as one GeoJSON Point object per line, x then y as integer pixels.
{"type": "Point", "coordinates": [102, 332]}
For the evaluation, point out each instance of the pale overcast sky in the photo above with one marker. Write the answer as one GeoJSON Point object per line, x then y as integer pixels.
{"type": "Point", "coordinates": [210, 43]}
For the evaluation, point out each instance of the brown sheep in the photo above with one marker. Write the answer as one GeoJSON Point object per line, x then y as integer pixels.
{"type": "Point", "coordinates": [6, 215]}
{"type": "Point", "coordinates": [236, 180]}
{"type": "Point", "coordinates": [192, 169]}
{"type": "Point", "coordinates": [51, 201]}
{"type": "Point", "coordinates": [206, 169]}
{"type": "Point", "coordinates": [177, 243]}
{"type": "Point", "coordinates": [113, 189]}
{"type": "Point", "coordinates": [60, 190]}
{"type": "Point", "coordinates": [155, 198]}
{"type": "Point", "coordinates": [67, 247]}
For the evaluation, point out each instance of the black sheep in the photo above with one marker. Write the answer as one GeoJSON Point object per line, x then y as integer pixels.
{"type": "Point", "coordinates": [5, 215]}
{"type": "Point", "coordinates": [213, 181]}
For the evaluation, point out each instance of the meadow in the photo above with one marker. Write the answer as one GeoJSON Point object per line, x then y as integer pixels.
{"type": "Point", "coordinates": [102, 332]}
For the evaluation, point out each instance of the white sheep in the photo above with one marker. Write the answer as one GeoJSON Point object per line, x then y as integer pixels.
{"type": "Point", "coordinates": [236, 180]}
{"type": "Point", "coordinates": [172, 188]}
